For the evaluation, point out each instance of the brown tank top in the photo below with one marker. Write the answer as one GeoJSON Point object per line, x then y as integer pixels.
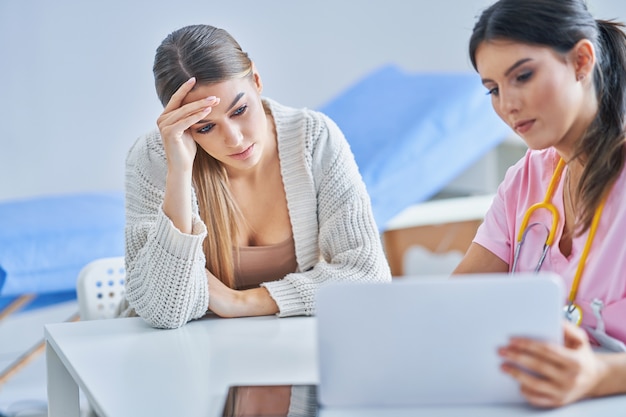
{"type": "Point", "coordinates": [259, 264]}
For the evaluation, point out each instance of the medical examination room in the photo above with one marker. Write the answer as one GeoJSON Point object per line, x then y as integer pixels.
{"type": "Point", "coordinates": [335, 208]}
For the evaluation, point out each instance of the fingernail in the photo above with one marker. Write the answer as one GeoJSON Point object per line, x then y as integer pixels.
{"type": "Point", "coordinates": [210, 98]}
{"type": "Point", "coordinates": [192, 79]}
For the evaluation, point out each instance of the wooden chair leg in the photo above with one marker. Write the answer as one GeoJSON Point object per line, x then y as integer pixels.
{"type": "Point", "coordinates": [16, 304]}
{"type": "Point", "coordinates": [27, 357]}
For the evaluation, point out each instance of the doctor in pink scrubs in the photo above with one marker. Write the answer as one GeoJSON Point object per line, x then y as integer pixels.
{"type": "Point", "coordinates": [557, 76]}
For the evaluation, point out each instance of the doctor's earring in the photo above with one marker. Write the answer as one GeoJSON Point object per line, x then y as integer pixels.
{"type": "Point", "coordinates": [580, 77]}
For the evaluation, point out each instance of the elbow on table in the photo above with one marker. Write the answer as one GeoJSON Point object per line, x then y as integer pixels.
{"type": "Point", "coordinates": [162, 320]}
{"type": "Point", "coordinates": [159, 313]}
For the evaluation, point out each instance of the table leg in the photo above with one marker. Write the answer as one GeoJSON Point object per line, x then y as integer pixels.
{"type": "Point", "coordinates": [63, 400]}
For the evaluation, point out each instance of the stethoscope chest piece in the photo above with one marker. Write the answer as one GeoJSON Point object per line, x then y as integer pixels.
{"type": "Point", "coordinates": [573, 314]}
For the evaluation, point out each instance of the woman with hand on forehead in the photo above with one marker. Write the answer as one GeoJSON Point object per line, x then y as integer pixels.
{"type": "Point", "coordinates": [237, 204]}
{"type": "Point", "coordinates": [557, 76]}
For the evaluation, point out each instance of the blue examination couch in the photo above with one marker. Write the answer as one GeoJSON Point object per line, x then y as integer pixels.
{"type": "Point", "coordinates": [412, 133]}
{"type": "Point", "coordinates": [45, 241]}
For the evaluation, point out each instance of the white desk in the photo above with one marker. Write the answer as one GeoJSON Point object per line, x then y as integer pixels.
{"type": "Point", "coordinates": [125, 368]}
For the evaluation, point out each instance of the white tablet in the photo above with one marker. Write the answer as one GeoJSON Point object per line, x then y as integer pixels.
{"type": "Point", "coordinates": [430, 340]}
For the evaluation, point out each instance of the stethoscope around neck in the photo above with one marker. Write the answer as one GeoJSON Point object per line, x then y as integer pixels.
{"type": "Point", "coordinates": [571, 311]}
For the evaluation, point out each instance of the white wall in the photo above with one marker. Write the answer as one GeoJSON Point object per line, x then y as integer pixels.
{"type": "Point", "coordinates": [76, 76]}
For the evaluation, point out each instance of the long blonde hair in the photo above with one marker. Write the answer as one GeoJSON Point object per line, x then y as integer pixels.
{"type": "Point", "coordinates": [211, 55]}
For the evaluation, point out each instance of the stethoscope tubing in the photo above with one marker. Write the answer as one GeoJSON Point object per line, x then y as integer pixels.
{"type": "Point", "coordinates": [547, 204]}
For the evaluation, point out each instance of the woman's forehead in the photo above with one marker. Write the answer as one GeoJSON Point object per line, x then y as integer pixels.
{"type": "Point", "coordinates": [225, 90]}
{"type": "Point", "coordinates": [499, 54]}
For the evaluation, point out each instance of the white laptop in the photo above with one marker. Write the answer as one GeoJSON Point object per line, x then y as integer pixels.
{"type": "Point", "coordinates": [429, 340]}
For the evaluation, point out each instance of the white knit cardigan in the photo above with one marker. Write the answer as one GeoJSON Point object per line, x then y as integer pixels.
{"type": "Point", "coordinates": [336, 238]}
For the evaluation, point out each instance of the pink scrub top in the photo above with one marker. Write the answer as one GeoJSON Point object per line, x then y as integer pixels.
{"type": "Point", "coordinates": [604, 276]}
